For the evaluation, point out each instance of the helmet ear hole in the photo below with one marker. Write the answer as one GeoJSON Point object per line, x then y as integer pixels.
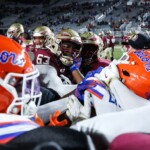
{"type": "Point", "coordinates": [134, 72]}
{"type": "Point", "coordinates": [126, 73]}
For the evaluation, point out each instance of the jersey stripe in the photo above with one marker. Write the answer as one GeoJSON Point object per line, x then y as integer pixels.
{"type": "Point", "coordinates": [10, 130]}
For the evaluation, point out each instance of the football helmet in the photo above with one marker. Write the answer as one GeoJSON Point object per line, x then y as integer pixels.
{"type": "Point", "coordinates": [92, 43]}
{"type": "Point", "coordinates": [101, 33]}
{"type": "Point", "coordinates": [134, 70]}
{"type": "Point", "coordinates": [108, 32]}
{"type": "Point", "coordinates": [46, 38]}
{"type": "Point", "coordinates": [70, 45]}
{"type": "Point", "coordinates": [18, 80]}
{"type": "Point", "coordinates": [131, 34]}
{"type": "Point", "coordinates": [15, 30]}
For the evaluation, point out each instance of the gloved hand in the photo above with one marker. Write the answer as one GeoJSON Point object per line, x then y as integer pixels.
{"type": "Point", "coordinates": [38, 120]}
{"type": "Point", "coordinates": [54, 120]}
{"type": "Point", "coordinates": [65, 80]}
{"type": "Point", "coordinates": [76, 64]}
{"type": "Point", "coordinates": [77, 111]}
{"type": "Point", "coordinates": [30, 108]}
{"type": "Point", "coordinates": [108, 73]}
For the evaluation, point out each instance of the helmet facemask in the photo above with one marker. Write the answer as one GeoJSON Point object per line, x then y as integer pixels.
{"type": "Point", "coordinates": [92, 43]}
{"type": "Point", "coordinates": [26, 92]}
{"type": "Point", "coordinates": [53, 44]}
{"type": "Point", "coordinates": [15, 30]}
{"type": "Point", "coordinates": [43, 33]}
{"type": "Point", "coordinates": [39, 41]}
{"type": "Point", "coordinates": [89, 52]}
{"type": "Point", "coordinates": [69, 51]}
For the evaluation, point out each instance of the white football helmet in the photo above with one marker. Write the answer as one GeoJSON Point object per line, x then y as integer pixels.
{"type": "Point", "coordinates": [70, 45]}
{"type": "Point", "coordinates": [15, 30]}
{"type": "Point", "coordinates": [47, 38]}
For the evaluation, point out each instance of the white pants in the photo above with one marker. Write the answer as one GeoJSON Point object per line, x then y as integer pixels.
{"type": "Point", "coordinates": [116, 123]}
{"type": "Point", "coordinates": [107, 53]}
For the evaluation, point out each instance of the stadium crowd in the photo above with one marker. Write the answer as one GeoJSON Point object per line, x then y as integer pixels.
{"type": "Point", "coordinates": [114, 14]}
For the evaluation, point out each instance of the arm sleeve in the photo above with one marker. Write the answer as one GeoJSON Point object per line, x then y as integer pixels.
{"type": "Point", "coordinates": [113, 124]}
{"type": "Point", "coordinates": [53, 81]}
{"type": "Point", "coordinates": [44, 111]}
{"type": "Point", "coordinates": [126, 98]}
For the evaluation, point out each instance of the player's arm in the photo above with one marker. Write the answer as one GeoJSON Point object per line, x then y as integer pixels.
{"type": "Point", "coordinates": [77, 76]}
{"type": "Point", "coordinates": [74, 112]}
{"type": "Point", "coordinates": [52, 80]}
{"type": "Point", "coordinates": [74, 68]}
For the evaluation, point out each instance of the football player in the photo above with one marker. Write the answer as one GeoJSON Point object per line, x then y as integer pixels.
{"type": "Point", "coordinates": [20, 98]}
{"type": "Point", "coordinates": [19, 89]}
{"type": "Point", "coordinates": [108, 52]}
{"type": "Point", "coordinates": [16, 32]}
{"type": "Point", "coordinates": [70, 50]}
{"type": "Point", "coordinates": [43, 53]}
{"type": "Point", "coordinates": [120, 93]}
{"type": "Point", "coordinates": [92, 45]}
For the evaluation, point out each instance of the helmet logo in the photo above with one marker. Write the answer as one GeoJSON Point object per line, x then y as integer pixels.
{"type": "Point", "coordinates": [44, 32]}
{"type": "Point", "coordinates": [65, 34]}
{"type": "Point", "coordinates": [93, 38]}
{"type": "Point", "coordinates": [5, 57]}
{"type": "Point", "coordinates": [144, 58]}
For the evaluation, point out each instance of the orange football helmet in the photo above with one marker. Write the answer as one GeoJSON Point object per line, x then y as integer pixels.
{"type": "Point", "coordinates": [134, 70]}
{"type": "Point", "coordinates": [18, 79]}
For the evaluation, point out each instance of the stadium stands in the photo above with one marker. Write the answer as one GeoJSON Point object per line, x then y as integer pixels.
{"type": "Point", "coordinates": [115, 15]}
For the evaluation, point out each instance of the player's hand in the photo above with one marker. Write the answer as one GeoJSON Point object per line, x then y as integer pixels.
{"type": "Point", "coordinates": [76, 64]}
{"type": "Point", "coordinates": [54, 120]}
{"type": "Point", "coordinates": [30, 108]}
{"type": "Point", "coordinates": [77, 111]}
{"type": "Point", "coordinates": [65, 80]}
{"type": "Point", "coordinates": [108, 73]}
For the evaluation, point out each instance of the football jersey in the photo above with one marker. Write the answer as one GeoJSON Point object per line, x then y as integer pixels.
{"type": "Point", "coordinates": [109, 41]}
{"type": "Point", "coordinates": [125, 39]}
{"type": "Point", "coordinates": [94, 65]}
{"type": "Point", "coordinates": [104, 39]}
{"type": "Point", "coordinates": [13, 125]}
{"type": "Point", "coordinates": [43, 57]}
{"type": "Point", "coordinates": [46, 57]}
